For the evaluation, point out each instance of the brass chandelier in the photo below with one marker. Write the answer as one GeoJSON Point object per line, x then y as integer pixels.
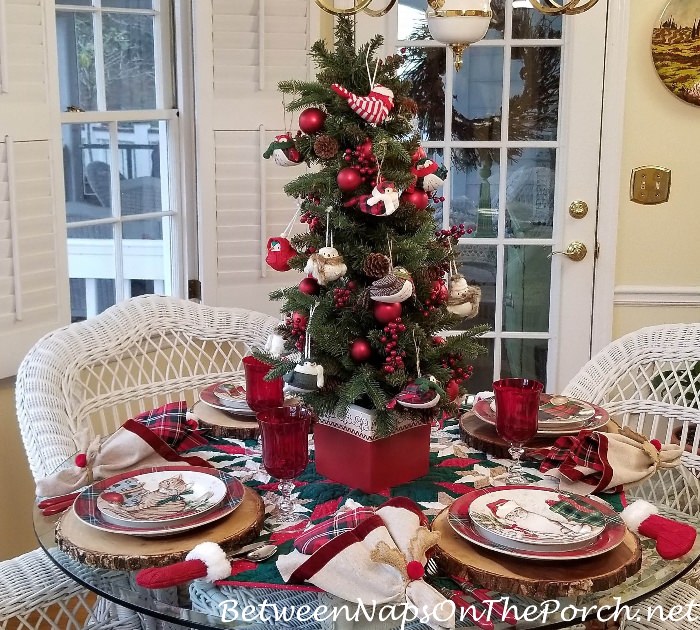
{"type": "Point", "coordinates": [458, 23]}
{"type": "Point", "coordinates": [551, 7]}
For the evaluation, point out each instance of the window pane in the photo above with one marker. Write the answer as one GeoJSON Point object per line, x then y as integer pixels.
{"type": "Point", "coordinates": [525, 358]}
{"type": "Point", "coordinates": [534, 88]}
{"type": "Point", "coordinates": [482, 377]}
{"type": "Point", "coordinates": [75, 3]}
{"type": "Point", "coordinates": [425, 68]}
{"type": "Point", "coordinates": [477, 95]}
{"type": "Point", "coordinates": [127, 4]}
{"type": "Point", "coordinates": [527, 282]}
{"type": "Point", "coordinates": [411, 20]}
{"type": "Point", "coordinates": [130, 80]}
{"type": "Point", "coordinates": [477, 263]}
{"type": "Point", "coordinates": [76, 60]}
{"type": "Point", "coordinates": [531, 24]}
{"type": "Point", "coordinates": [474, 177]}
{"type": "Point", "coordinates": [530, 193]}
{"type": "Point", "coordinates": [87, 177]}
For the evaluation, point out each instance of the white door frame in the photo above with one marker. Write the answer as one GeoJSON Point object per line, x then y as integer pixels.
{"type": "Point", "coordinates": [611, 177]}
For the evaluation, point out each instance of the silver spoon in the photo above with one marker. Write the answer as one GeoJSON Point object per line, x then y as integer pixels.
{"type": "Point", "coordinates": [261, 554]}
{"type": "Point", "coordinates": [256, 552]}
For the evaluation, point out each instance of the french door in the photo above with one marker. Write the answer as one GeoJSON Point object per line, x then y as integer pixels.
{"type": "Point", "coordinates": [518, 127]}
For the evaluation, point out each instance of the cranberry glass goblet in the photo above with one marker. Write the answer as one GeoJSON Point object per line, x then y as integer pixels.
{"type": "Point", "coordinates": [285, 449]}
{"type": "Point", "coordinates": [259, 393]}
{"type": "Point", "coordinates": [517, 408]}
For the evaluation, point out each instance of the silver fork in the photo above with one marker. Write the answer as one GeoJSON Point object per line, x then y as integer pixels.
{"type": "Point", "coordinates": [479, 594]}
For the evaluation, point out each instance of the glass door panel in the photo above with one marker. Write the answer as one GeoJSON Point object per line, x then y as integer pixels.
{"type": "Point", "coordinates": [500, 126]}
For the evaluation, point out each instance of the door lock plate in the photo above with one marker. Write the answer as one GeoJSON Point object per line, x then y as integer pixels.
{"type": "Point", "coordinates": [650, 185]}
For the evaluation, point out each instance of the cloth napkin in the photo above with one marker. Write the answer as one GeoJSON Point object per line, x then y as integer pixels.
{"type": "Point", "coordinates": [152, 438]}
{"type": "Point", "coordinates": [605, 462]}
{"type": "Point", "coordinates": [373, 556]}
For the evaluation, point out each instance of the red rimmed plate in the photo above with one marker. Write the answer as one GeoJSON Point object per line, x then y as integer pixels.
{"type": "Point", "coordinates": [610, 537]}
{"type": "Point", "coordinates": [87, 510]}
{"type": "Point", "coordinates": [554, 419]}
{"type": "Point", "coordinates": [209, 397]}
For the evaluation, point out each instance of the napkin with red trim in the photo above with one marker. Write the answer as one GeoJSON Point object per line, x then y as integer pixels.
{"type": "Point", "coordinates": [153, 438]}
{"type": "Point", "coordinates": [373, 556]}
{"type": "Point", "coordinates": [605, 462]}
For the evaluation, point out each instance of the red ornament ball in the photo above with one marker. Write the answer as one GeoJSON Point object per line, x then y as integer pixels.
{"type": "Point", "coordinates": [81, 460]}
{"type": "Point", "coordinates": [417, 198]}
{"type": "Point", "coordinates": [310, 286]}
{"type": "Point", "coordinates": [299, 320]}
{"type": "Point", "coordinates": [311, 120]}
{"type": "Point", "coordinates": [438, 341]}
{"type": "Point", "coordinates": [348, 179]}
{"type": "Point", "coordinates": [385, 312]}
{"type": "Point", "coordinates": [360, 350]}
{"type": "Point", "coordinates": [452, 389]}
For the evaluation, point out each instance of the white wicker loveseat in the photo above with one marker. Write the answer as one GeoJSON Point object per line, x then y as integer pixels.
{"type": "Point", "coordinates": [134, 356]}
{"type": "Point", "coordinates": [649, 380]}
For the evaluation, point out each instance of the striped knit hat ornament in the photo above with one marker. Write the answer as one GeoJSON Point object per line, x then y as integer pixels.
{"type": "Point", "coordinates": [373, 108]}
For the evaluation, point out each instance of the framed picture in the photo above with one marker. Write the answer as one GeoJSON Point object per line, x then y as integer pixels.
{"type": "Point", "coordinates": [676, 49]}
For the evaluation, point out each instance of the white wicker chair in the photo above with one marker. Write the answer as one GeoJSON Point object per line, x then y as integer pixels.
{"type": "Point", "coordinates": [132, 357]}
{"type": "Point", "coordinates": [649, 380]}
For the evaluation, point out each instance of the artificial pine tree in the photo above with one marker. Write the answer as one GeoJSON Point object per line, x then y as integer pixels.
{"type": "Point", "coordinates": [379, 302]}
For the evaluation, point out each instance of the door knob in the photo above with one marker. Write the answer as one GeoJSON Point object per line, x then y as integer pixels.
{"type": "Point", "coordinates": [576, 251]}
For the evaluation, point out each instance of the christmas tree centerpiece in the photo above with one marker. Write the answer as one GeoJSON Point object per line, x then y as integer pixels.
{"type": "Point", "coordinates": [361, 341]}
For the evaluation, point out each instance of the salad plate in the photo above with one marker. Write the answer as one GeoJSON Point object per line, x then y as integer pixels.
{"type": "Point", "coordinates": [86, 506]}
{"type": "Point", "coordinates": [160, 497]}
{"type": "Point", "coordinates": [217, 396]}
{"type": "Point", "coordinates": [554, 526]}
{"type": "Point", "coordinates": [558, 415]}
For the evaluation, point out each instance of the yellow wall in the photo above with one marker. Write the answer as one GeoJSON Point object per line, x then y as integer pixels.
{"type": "Point", "coordinates": [657, 245]}
{"type": "Point", "coordinates": [18, 487]}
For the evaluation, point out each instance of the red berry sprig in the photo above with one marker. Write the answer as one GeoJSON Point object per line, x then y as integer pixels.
{"type": "Point", "coordinates": [458, 372]}
{"type": "Point", "coordinates": [454, 233]}
{"type": "Point", "coordinates": [297, 329]}
{"type": "Point", "coordinates": [394, 357]}
{"type": "Point", "coordinates": [341, 297]}
{"type": "Point", "coordinates": [364, 161]}
{"type": "Point", "coordinates": [311, 220]}
{"type": "Point", "coordinates": [438, 296]}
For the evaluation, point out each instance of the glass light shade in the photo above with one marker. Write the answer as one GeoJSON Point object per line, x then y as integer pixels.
{"type": "Point", "coordinates": [458, 23]}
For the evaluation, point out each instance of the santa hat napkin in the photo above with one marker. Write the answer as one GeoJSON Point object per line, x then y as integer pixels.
{"type": "Point", "coordinates": [595, 462]}
{"type": "Point", "coordinates": [374, 556]}
{"type": "Point", "coordinates": [150, 439]}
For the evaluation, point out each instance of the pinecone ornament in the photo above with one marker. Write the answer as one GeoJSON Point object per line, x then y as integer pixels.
{"type": "Point", "coordinates": [326, 147]}
{"type": "Point", "coordinates": [376, 265]}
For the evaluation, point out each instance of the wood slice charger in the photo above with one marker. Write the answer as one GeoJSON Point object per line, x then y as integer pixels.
{"type": "Point", "coordinates": [534, 578]}
{"type": "Point", "coordinates": [123, 552]}
{"type": "Point", "coordinates": [481, 435]}
{"type": "Point", "coordinates": [224, 424]}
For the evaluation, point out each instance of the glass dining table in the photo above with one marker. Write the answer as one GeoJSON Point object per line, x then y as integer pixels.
{"type": "Point", "coordinates": [676, 492]}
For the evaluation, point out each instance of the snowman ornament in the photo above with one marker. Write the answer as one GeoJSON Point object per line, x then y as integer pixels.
{"type": "Point", "coordinates": [326, 266]}
{"type": "Point", "coordinates": [305, 377]}
{"type": "Point", "coordinates": [463, 300]}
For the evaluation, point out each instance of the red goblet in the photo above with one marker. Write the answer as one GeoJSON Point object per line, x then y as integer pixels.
{"type": "Point", "coordinates": [517, 408]}
{"type": "Point", "coordinates": [285, 451]}
{"type": "Point", "coordinates": [259, 393]}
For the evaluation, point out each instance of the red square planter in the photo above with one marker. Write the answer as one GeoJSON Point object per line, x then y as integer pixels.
{"type": "Point", "coordinates": [372, 466]}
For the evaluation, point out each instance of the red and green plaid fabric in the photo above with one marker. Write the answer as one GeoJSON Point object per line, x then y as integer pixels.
{"type": "Point", "coordinates": [577, 511]}
{"type": "Point", "coordinates": [170, 424]}
{"type": "Point", "coordinates": [314, 538]}
{"type": "Point", "coordinates": [570, 453]}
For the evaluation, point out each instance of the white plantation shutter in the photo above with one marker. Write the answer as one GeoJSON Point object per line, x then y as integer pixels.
{"type": "Point", "coordinates": [29, 298]}
{"type": "Point", "coordinates": [242, 50]}
{"type": "Point", "coordinates": [23, 69]}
